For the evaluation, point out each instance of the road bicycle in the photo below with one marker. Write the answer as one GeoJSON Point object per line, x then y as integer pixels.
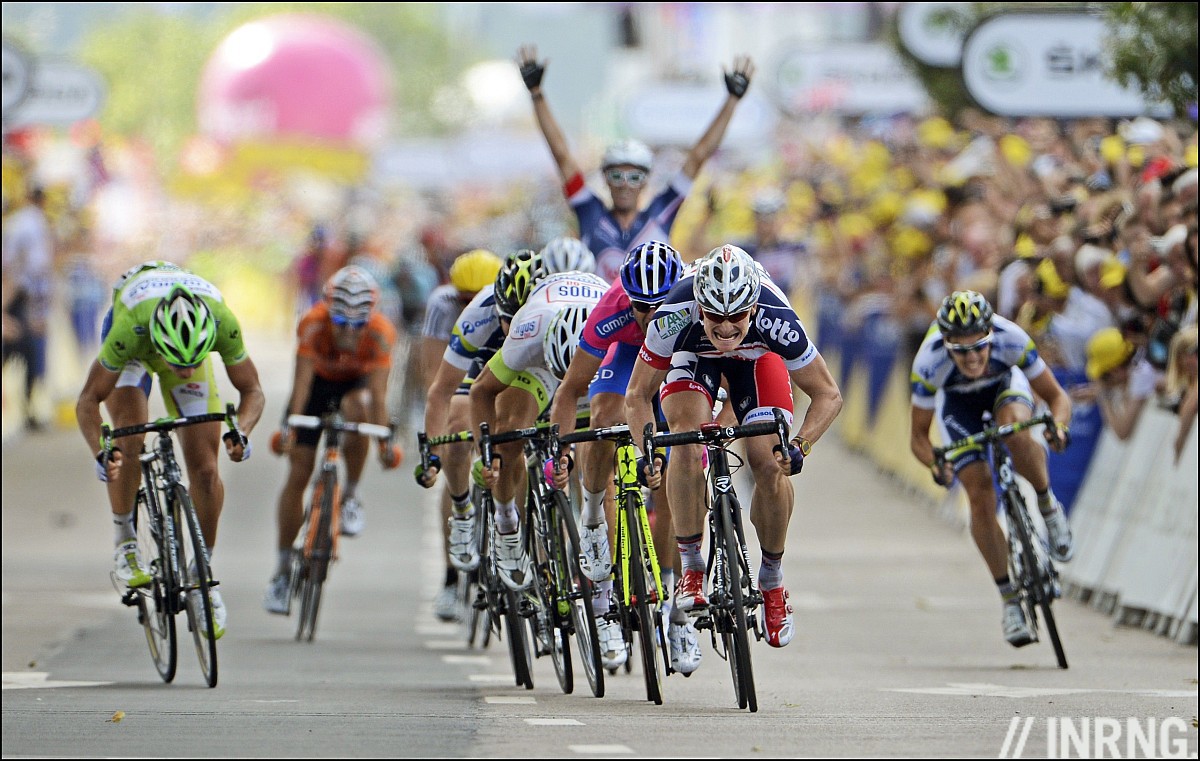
{"type": "Point", "coordinates": [1029, 563]}
{"type": "Point", "coordinates": [468, 581]}
{"type": "Point", "coordinates": [172, 546]}
{"type": "Point", "coordinates": [637, 578]}
{"type": "Point", "coordinates": [319, 547]}
{"type": "Point", "coordinates": [501, 605]}
{"type": "Point", "coordinates": [734, 598]}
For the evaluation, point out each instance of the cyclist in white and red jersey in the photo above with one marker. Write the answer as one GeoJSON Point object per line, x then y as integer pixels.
{"type": "Point", "coordinates": [729, 321]}
{"type": "Point", "coordinates": [610, 232]}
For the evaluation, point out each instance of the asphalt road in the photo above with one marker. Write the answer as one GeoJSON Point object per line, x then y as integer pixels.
{"type": "Point", "coordinates": [898, 651]}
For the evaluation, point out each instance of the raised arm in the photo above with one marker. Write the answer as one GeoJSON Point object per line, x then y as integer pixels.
{"type": "Point", "coordinates": [736, 84]}
{"type": "Point", "coordinates": [532, 72]}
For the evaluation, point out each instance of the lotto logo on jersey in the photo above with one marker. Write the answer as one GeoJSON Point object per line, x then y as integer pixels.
{"type": "Point", "coordinates": [779, 330]}
{"type": "Point", "coordinates": [531, 328]}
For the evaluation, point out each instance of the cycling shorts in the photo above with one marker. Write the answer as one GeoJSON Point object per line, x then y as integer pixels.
{"type": "Point", "coordinates": [756, 386]}
{"type": "Point", "coordinates": [962, 412]}
{"type": "Point", "coordinates": [324, 396]}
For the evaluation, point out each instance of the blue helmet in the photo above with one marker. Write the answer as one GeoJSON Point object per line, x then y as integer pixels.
{"type": "Point", "coordinates": [649, 271]}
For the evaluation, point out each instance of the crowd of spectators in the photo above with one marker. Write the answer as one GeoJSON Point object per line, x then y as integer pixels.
{"type": "Point", "coordinates": [1083, 232]}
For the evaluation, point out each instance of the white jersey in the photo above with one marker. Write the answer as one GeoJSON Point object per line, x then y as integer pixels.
{"type": "Point", "coordinates": [522, 349]}
{"type": "Point", "coordinates": [441, 310]}
{"type": "Point", "coordinates": [934, 370]}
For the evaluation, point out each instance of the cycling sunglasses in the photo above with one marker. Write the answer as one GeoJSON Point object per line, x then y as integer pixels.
{"type": "Point", "coordinates": [720, 318]}
{"type": "Point", "coordinates": [342, 320]}
{"type": "Point", "coordinates": [634, 178]}
{"type": "Point", "coordinates": [964, 349]}
{"type": "Point", "coordinates": [641, 306]}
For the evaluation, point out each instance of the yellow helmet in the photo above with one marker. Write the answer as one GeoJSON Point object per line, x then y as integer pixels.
{"type": "Point", "coordinates": [1106, 351]}
{"type": "Point", "coordinates": [473, 270]}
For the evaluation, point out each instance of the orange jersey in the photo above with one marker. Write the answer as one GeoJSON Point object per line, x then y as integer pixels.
{"type": "Point", "coordinates": [374, 350]}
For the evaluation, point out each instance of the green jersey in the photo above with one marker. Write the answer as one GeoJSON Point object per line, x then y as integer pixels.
{"type": "Point", "coordinates": [136, 295]}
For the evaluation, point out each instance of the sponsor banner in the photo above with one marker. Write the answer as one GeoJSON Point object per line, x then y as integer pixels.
{"type": "Point", "coordinates": [847, 79]}
{"type": "Point", "coordinates": [1044, 64]}
{"type": "Point", "coordinates": [925, 33]}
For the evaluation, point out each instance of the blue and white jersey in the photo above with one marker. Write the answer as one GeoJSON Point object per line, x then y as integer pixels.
{"type": "Point", "coordinates": [934, 370]}
{"type": "Point", "coordinates": [477, 334]}
{"type": "Point", "coordinates": [774, 328]}
{"type": "Point", "coordinates": [601, 233]}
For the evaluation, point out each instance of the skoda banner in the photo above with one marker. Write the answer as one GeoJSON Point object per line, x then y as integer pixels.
{"type": "Point", "coordinates": [1044, 64]}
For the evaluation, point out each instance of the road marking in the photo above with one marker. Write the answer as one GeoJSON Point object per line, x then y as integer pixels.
{"type": "Point", "coordinates": [555, 722]}
{"type": "Point", "coordinates": [28, 680]}
{"type": "Point", "coordinates": [491, 678]}
{"type": "Point", "coordinates": [445, 644]}
{"type": "Point", "coordinates": [989, 690]}
{"type": "Point", "coordinates": [283, 700]}
{"type": "Point", "coordinates": [476, 660]}
{"type": "Point", "coordinates": [510, 699]}
{"type": "Point", "coordinates": [600, 750]}
{"type": "Point", "coordinates": [434, 629]}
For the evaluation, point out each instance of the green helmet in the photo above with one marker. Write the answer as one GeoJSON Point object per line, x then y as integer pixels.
{"type": "Point", "coordinates": [183, 329]}
{"type": "Point", "coordinates": [518, 275]}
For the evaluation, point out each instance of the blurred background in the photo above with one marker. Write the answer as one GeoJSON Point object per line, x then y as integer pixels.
{"type": "Point", "coordinates": [1044, 154]}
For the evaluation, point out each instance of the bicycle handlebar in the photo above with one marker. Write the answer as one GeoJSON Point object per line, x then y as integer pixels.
{"type": "Point", "coordinates": [991, 433]}
{"type": "Point", "coordinates": [373, 430]}
{"type": "Point", "coordinates": [162, 425]}
{"type": "Point", "coordinates": [715, 434]}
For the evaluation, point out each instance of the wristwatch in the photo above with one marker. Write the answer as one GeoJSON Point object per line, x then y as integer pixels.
{"type": "Point", "coordinates": [804, 444]}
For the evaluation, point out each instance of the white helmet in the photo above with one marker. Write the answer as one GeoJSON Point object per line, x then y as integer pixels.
{"type": "Point", "coordinates": [558, 345]}
{"type": "Point", "coordinates": [632, 152]}
{"type": "Point", "coordinates": [727, 281]}
{"type": "Point", "coordinates": [567, 255]}
{"type": "Point", "coordinates": [351, 294]}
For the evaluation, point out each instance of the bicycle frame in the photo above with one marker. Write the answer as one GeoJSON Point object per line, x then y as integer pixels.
{"type": "Point", "coordinates": [734, 596]}
{"type": "Point", "coordinates": [1030, 566]}
{"type": "Point", "coordinates": [173, 521]}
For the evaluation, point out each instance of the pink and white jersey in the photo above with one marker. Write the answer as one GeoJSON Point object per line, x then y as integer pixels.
{"type": "Point", "coordinates": [610, 321]}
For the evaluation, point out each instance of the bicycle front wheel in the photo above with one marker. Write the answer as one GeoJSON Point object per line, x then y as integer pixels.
{"type": "Point", "coordinates": [518, 647]}
{"type": "Point", "coordinates": [199, 599]}
{"type": "Point", "coordinates": [548, 625]}
{"type": "Point", "coordinates": [576, 591]}
{"type": "Point", "coordinates": [644, 609]}
{"type": "Point", "coordinates": [735, 632]}
{"type": "Point", "coordinates": [1035, 574]}
{"type": "Point", "coordinates": [155, 611]}
{"type": "Point", "coordinates": [317, 553]}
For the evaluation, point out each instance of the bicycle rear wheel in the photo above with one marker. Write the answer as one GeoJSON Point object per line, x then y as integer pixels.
{"type": "Point", "coordinates": [644, 609]}
{"type": "Point", "coordinates": [317, 553]}
{"type": "Point", "coordinates": [576, 591]}
{"type": "Point", "coordinates": [735, 631]}
{"type": "Point", "coordinates": [199, 603]}
{"type": "Point", "coordinates": [155, 611]}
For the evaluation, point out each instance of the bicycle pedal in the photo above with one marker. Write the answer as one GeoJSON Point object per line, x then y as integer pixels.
{"type": "Point", "coordinates": [130, 598]}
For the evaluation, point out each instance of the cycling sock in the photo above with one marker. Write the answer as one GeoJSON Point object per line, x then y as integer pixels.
{"type": "Point", "coordinates": [284, 564]}
{"type": "Point", "coordinates": [451, 576]}
{"type": "Point", "coordinates": [507, 520]}
{"type": "Point", "coordinates": [348, 492]}
{"type": "Point", "coordinates": [689, 552]}
{"type": "Point", "coordinates": [1008, 590]}
{"type": "Point", "coordinates": [770, 571]}
{"type": "Point", "coordinates": [461, 505]}
{"type": "Point", "coordinates": [123, 528]}
{"type": "Point", "coordinates": [1046, 502]}
{"type": "Point", "coordinates": [602, 597]}
{"type": "Point", "coordinates": [593, 508]}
